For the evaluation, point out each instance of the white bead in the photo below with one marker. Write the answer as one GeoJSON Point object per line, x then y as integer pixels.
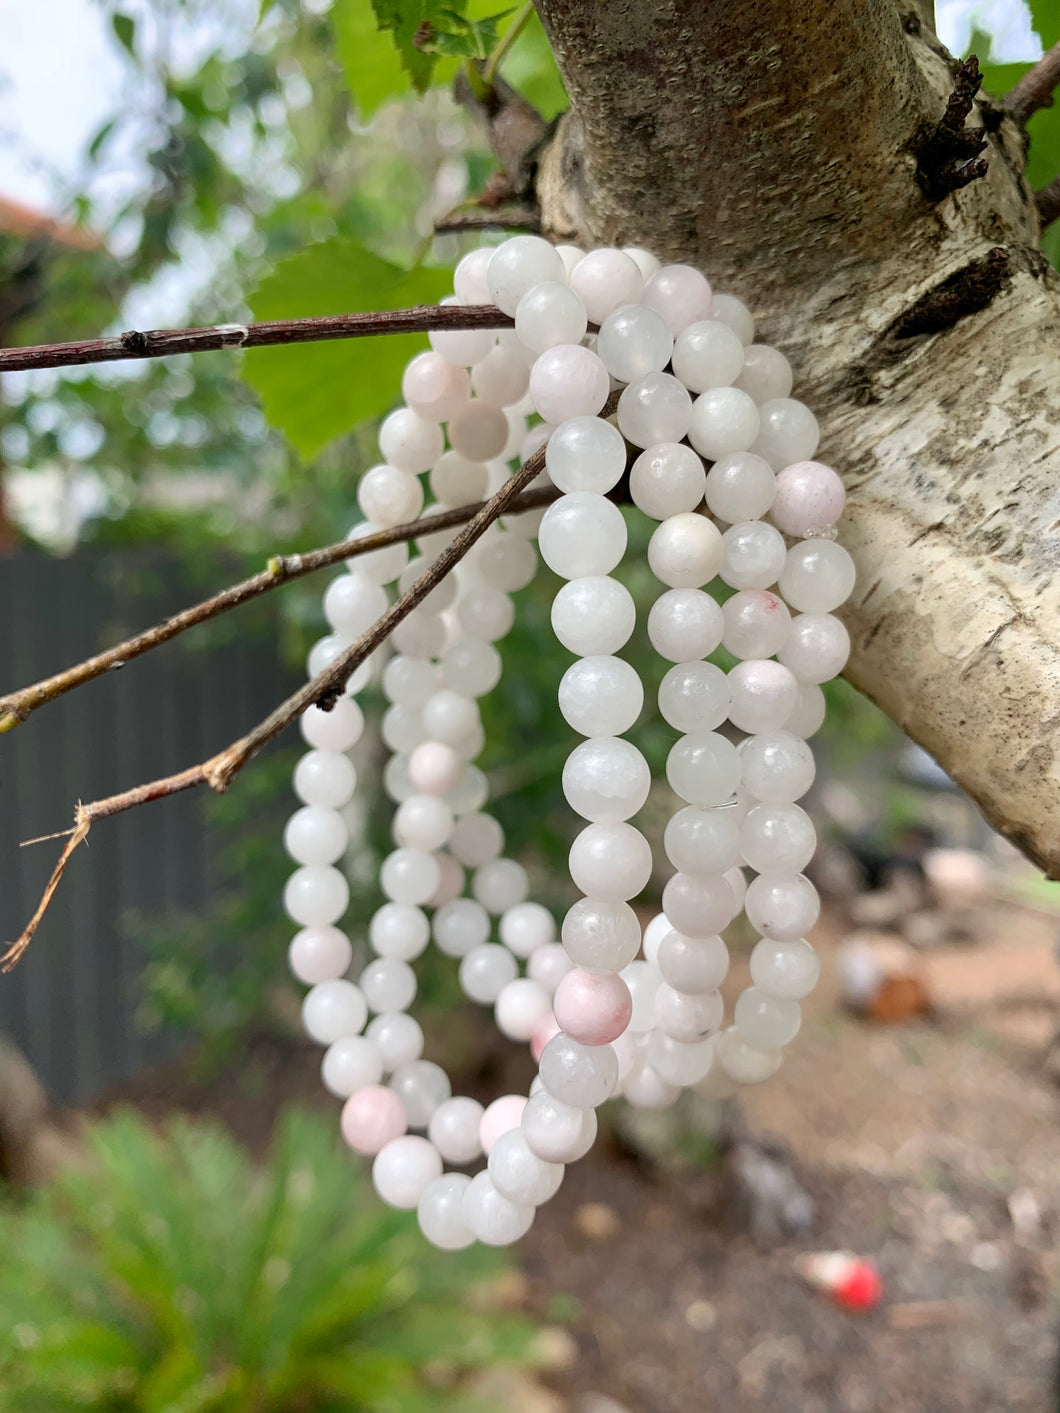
{"type": "Point", "coordinates": [557, 1132]}
{"type": "Point", "coordinates": [788, 969]}
{"type": "Point", "coordinates": [507, 562]}
{"type": "Point", "coordinates": [499, 885]}
{"type": "Point", "coordinates": [654, 932]}
{"type": "Point", "coordinates": [600, 696]}
{"type": "Point", "coordinates": [788, 432]}
{"type": "Point", "coordinates": [666, 479]}
{"type": "Point", "coordinates": [757, 623]}
{"type": "Point", "coordinates": [693, 964]}
{"type": "Point", "coordinates": [434, 388]}
{"type": "Point", "coordinates": [548, 965]}
{"type": "Point", "coordinates": [325, 778]}
{"type": "Point", "coordinates": [735, 313]}
{"type": "Point", "coordinates": [605, 779]}
{"type": "Point", "coordinates": [766, 373]}
{"type": "Point", "coordinates": [453, 1129]}
{"type": "Point", "coordinates": [645, 1088]}
{"type": "Point", "coordinates": [605, 279]}
{"type": "Point", "coordinates": [520, 1007]}
{"type": "Point", "coordinates": [755, 555]}
{"type": "Point", "coordinates": [777, 767]}
{"type": "Point", "coordinates": [586, 454]}
{"type": "Point", "coordinates": [723, 421]}
{"type": "Point", "coordinates": [654, 408]}
{"type": "Point", "coordinates": [702, 841]}
{"type": "Point", "coordinates": [399, 1038]}
{"type": "Point", "coordinates": [747, 1064]}
{"type": "Point", "coordinates": [685, 1017]}
{"type": "Point", "coordinates": [680, 294]}
{"type": "Point", "coordinates": [694, 696]}
{"type": "Point", "coordinates": [517, 266]}
{"type": "Point", "coordinates": [452, 884]}
{"type": "Point", "coordinates": [777, 838]}
{"type": "Point", "coordinates": [568, 381]}
{"type": "Point", "coordinates": [698, 907]}
{"type": "Point", "coordinates": [352, 603]}
{"type": "Point", "coordinates": [818, 576]}
{"type": "Point", "coordinates": [494, 1220]}
{"type": "Point", "coordinates": [570, 255]}
{"type": "Point", "coordinates": [396, 782]}
{"type": "Point", "coordinates": [634, 341]}
{"type": "Point", "coordinates": [319, 954]}
{"type": "Point", "coordinates": [707, 355]}
{"type": "Point", "coordinates": [382, 566]}
{"type": "Point", "coordinates": [388, 985]}
{"type": "Point", "coordinates": [685, 551]}
{"type": "Point", "coordinates": [460, 926]}
{"type": "Point", "coordinates": [335, 730]}
{"type": "Point", "coordinates": [816, 648]}
{"type": "Point", "coordinates": [315, 896]}
{"type": "Point", "coordinates": [398, 930]}
{"type": "Point", "coordinates": [403, 1169]}
{"type": "Point", "coordinates": [409, 876]}
{"type": "Point", "coordinates": [519, 1174]}
{"type": "Point", "coordinates": [401, 729]}
{"type": "Point", "coordinates": [685, 625]}
{"type": "Point", "coordinates": [421, 1086]}
{"type": "Point", "coordinates": [423, 822]}
{"type": "Point", "coordinates": [315, 836]}
{"type": "Point", "coordinates": [351, 1063]}
{"type": "Point", "coordinates": [740, 486]}
{"type": "Point", "coordinates": [440, 1212]}
{"type": "Point", "coordinates": [470, 283]}
{"type": "Point", "coordinates": [610, 861]}
{"type": "Point", "coordinates": [645, 261]}
{"type": "Point", "coordinates": [472, 668]}
{"type": "Point", "coordinates": [333, 1009]}
{"type": "Point", "coordinates": [448, 716]}
{"type": "Point", "coordinates": [550, 314]}
{"type": "Point", "coordinates": [593, 615]}
{"type": "Point", "coordinates": [409, 681]}
{"type": "Point", "coordinates": [478, 431]}
{"type": "Point", "coordinates": [782, 908]}
{"type": "Point", "coordinates": [456, 481]}
{"type": "Point", "coordinates": [766, 1021]}
{"type": "Point", "coordinates": [601, 935]}
{"type": "Point", "coordinates": [525, 927]}
{"type": "Point", "coordinates": [470, 792]}
{"type": "Point", "coordinates": [389, 496]}
{"type": "Point", "coordinates": [642, 978]}
{"type": "Point", "coordinates": [485, 613]}
{"type": "Point", "coordinates": [418, 634]}
{"type": "Point", "coordinates": [501, 378]}
{"type": "Point", "coordinates": [583, 1075]}
{"type": "Point", "coordinates": [680, 1062]}
{"type": "Point", "coordinates": [410, 442]}
{"type": "Point", "coordinates": [764, 695]}
{"type": "Point", "coordinates": [485, 971]}
{"type": "Point", "coordinates": [476, 838]}
{"type": "Point", "coordinates": [432, 768]}
{"type": "Point", "coordinates": [737, 881]}
{"type": "Point", "coordinates": [703, 768]}
{"type": "Point", "coordinates": [808, 714]}
{"type": "Point", "coordinates": [462, 347]}
{"type": "Point", "coordinates": [582, 534]}
{"type": "Point", "coordinates": [810, 498]}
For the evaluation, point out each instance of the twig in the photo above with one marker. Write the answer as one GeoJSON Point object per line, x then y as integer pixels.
{"type": "Point", "coordinates": [1036, 88]}
{"type": "Point", "coordinates": [158, 343]}
{"type": "Point", "coordinates": [507, 39]}
{"type": "Point", "coordinates": [1048, 199]}
{"type": "Point", "coordinates": [18, 706]}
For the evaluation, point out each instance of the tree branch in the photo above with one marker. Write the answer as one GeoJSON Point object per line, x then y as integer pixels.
{"type": "Point", "coordinates": [159, 343]}
{"type": "Point", "coordinates": [18, 706]}
{"type": "Point", "coordinates": [1036, 88]}
{"type": "Point", "coordinates": [1048, 199]}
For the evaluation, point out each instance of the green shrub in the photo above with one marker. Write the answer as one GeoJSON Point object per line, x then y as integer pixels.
{"type": "Point", "coordinates": [172, 1276]}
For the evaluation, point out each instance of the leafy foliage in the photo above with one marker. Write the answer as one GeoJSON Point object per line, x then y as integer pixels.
{"type": "Point", "coordinates": [171, 1277]}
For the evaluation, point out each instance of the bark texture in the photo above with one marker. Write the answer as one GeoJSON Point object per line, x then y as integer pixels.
{"type": "Point", "coordinates": [781, 148]}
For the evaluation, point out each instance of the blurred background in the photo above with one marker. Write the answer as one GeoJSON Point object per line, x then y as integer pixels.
{"type": "Point", "coordinates": [179, 1228]}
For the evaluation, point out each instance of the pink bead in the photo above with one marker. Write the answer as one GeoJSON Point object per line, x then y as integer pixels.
{"type": "Point", "coordinates": [568, 381]}
{"type": "Point", "coordinates": [500, 1116]}
{"type": "Point", "coordinates": [810, 496]}
{"type": "Point", "coordinates": [434, 768]}
{"type": "Point", "coordinates": [592, 1007]}
{"type": "Point", "coordinates": [371, 1118]}
{"type": "Point", "coordinates": [320, 953]}
{"type": "Point", "coordinates": [451, 883]}
{"type": "Point", "coordinates": [603, 280]}
{"type": "Point", "coordinates": [434, 388]}
{"type": "Point", "coordinates": [546, 1028]}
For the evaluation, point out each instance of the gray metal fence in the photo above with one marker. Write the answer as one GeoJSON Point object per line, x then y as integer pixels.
{"type": "Point", "coordinates": [70, 1004]}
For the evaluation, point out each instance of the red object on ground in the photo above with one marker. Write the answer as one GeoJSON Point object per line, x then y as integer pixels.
{"type": "Point", "coordinates": [852, 1281]}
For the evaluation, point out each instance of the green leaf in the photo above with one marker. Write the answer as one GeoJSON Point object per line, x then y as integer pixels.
{"type": "Point", "coordinates": [408, 22]}
{"type": "Point", "coordinates": [369, 60]}
{"type": "Point", "coordinates": [314, 392]}
{"type": "Point", "coordinates": [124, 27]}
{"type": "Point", "coordinates": [457, 37]}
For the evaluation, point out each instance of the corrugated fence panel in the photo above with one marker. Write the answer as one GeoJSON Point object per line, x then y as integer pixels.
{"type": "Point", "coordinates": [71, 1003]}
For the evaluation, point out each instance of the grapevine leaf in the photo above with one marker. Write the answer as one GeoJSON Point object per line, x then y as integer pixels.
{"type": "Point", "coordinates": [458, 37]}
{"type": "Point", "coordinates": [369, 60]}
{"type": "Point", "coordinates": [411, 23]}
{"type": "Point", "coordinates": [314, 392]}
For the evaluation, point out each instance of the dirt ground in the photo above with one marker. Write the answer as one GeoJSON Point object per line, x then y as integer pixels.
{"type": "Point", "coordinates": [931, 1146]}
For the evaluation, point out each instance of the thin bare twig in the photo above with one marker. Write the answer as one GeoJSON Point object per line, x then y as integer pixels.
{"type": "Point", "coordinates": [1036, 88]}
{"type": "Point", "coordinates": [18, 706]}
{"type": "Point", "coordinates": [159, 343]}
{"type": "Point", "coordinates": [1048, 199]}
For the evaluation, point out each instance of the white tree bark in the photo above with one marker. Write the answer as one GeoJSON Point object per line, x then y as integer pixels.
{"type": "Point", "coordinates": [777, 147]}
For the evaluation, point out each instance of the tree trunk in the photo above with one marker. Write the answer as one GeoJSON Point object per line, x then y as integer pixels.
{"type": "Point", "coordinates": [786, 151]}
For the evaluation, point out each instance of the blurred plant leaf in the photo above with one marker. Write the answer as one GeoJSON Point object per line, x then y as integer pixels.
{"type": "Point", "coordinates": [459, 37]}
{"type": "Point", "coordinates": [124, 27]}
{"type": "Point", "coordinates": [408, 22]}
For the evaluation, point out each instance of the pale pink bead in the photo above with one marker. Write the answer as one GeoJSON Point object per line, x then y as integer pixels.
{"type": "Point", "coordinates": [451, 883]}
{"type": "Point", "coordinates": [568, 381]}
{"type": "Point", "coordinates": [546, 1028]}
{"type": "Point", "coordinates": [434, 388]}
{"type": "Point", "coordinates": [321, 953]}
{"type": "Point", "coordinates": [810, 496]}
{"type": "Point", "coordinates": [434, 768]}
{"type": "Point", "coordinates": [603, 280]}
{"type": "Point", "coordinates": [503, 1114]}
{"type": "Point", "coordinates": [592, 1007]}
{"type": "Point", "coordinates": [371, 1118]}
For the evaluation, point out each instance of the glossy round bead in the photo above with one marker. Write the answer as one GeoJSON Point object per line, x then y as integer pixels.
{"type": "Point", "coordinates": [325, 778]}
{"type": "Point", "coordinates": [333, 1009]}
{"type": "Point", "coordinates": [593, 615]}
{"type": "Point", "coordinates": [787, 969]}
{"type": "Point", "coordinates": [423, 822]}
{"type": "Point", "coordinates": [703, 768]}
{"type": "Point", "coordinates": [693, 964]}
{"type": "Point", "coordinates": [388, 985]}
{"type": "Point", "coordinates": [470, 282]}
{"type": "Point", "coordinates": [642, 981]}
{"type": "Point", "coordinates": [389, 496]}
{"type": "Point", "coordinates": [808, 714]}
{"type": "Point", "coordinates": [782, 907]}
{"type": "Point", "coordinates": [453, 1128]}
{"type": "Point", "coordinates": [592, 1007]}
{"type": "Point", "coordinates": [472, 667]}
{"type": "Point", "coordinates": [409, 441]}
{"type": "Point", "coordinates": [735, 313]}
{"type": "Point", "coordinates": [583, 1075]}
{"type": "Point", "coordinates": [601, 935]}
{"type": "Point", "coordinates": [723, 421]}
{"type": "Point", "coordinates": [494, 1220]}
{"type": "Point", "coordinates": [702, 842]}
{"type": "Point", "coordinates": [454, 480]}
{"type": "Point", "coordinates": [401, 729]}
{"type": "Point", "coordinates": [568, 381]}
{"type": "Point", "coordinates": [372, 1118]}
{"type": "Point", "coordinates": [409, 681]}
{"type": "Point", "coordinates": [582, 534]}
{"type": "Point", "coordinates": [352, 602]}
{"type": "Point", "coordinates": [335, 730]}
{"type": "Point", "coordinates": [452, 881]}
{"type": "Point", "coordinates": [382, 566]}
{"type": "Point", "coordinates": [470, 792]}
{"type": "Point", "coordinates": [601, 696]}
{"type": "Point", "coordinates": [737, 881]}
{"type": "Point", "coordinates": [418, 634]}
{"type": "Point", "coordinates": [398, 930]}
{"type": "Point", "coordinates": [766, 1021]}
{"type": "Point", "coordinates": [517, 266]}
{"type": "Point", "coordinates": [519, 1174]}
{"type": "Point", "coordinates": [818, 576]}
{"type": "Point", "coordinates": [506, 562]}
{"type": "Point", "coordinates": [604, 280]}
{"type": "Point", "coordinates": [605, 779]}
{"type": "Point", "coordinates": [788, 432]}
{"type": "Point", "coordinates": [409, 876]}
{"type": "Point", "coordinates": [764, 695]}
{"type": "Point", "coordinates": [315, 895]}
{"type": "Point", "coordinates": [766, 373]}
{"type": "Point", "coordinates": [810, 497]}
{"type": "Point", "coordinates": [404, 1169]}
{"type": "Point", "coordinates": [817, 647]}
{"type": "Point", "coordinates": [440, 1212]}
{"type": "Point", "coordinates": [694, 696]}
{"type": "Point", "coordinates": [666, 479]}
{"type": "Point", "coordinates": [485, 971]}
{"type": "Point", "coordinates": [610, 861]}
{"type": "Point", "coordinates": [777, 838]}
{"type": "Point", "coordinates": [485, 613]}
{"type": "Point", "coordinates": [570, 255]}
{"type": "Point", "coordinates": [680, 294]}
{"type": "Point", "coordinates": [433, 768]}
{"type": "Point", "coordinates": [448, 716]}
{"type": "Point", "coordinates": [755, 555]}
{"type": "Point", "coordinates": [586, 454]}
{"type": "Point", "coordinates": [707, 355]}
{"type": "Point", "coordinates": [476, 838]}
{"type": "Point", "coordinates": [478, 431]}
{"type": "Point", "coordinates": [351, 1063]}
{"type": "Point", "coordinates": [550, 314]}
{"type": "Point", "coordinates": [421, 1086]}
{"type": "Point", "coordinates": [557, 1132]}
{"type": "Point", "coordinates": [634, 341]}
{"type": "Point", "coordinates": [500, 1117]}
{"type": "Point", "coordinates": [433, 388]}
{"type": "Point", "coordinates": [399, 1038]}
{"type": "Point", "coordinates": [680, 1062]}
{"type": "Point", "coordinates": [745, 1063]}
{"type": "Point", "coordinates": [685, 625]}
{"type": "Point", "coordinates": [499, 885]}
{"type": "Point", "coordinates": [686, 1017]}
{"type": "Point", "coordinates": [315, 836]}
{"type": "Point", "coordinates": [777, 767]}
{"type": "Point", "coordinates": [645, 1088]}
{"type": "Point", "coordinates": [740, 487]}
{"type": "Point", "coordinates": [520, 1007]}
{"type": "Point", "coordinates": [319, 954]}
{"type": "Point", "coordinates": [654, 408]}
{"type": "Point", "coordinates": [698, 906]}
{"type": "Point", "coordinates": [647, 263]}
{"type": "Point", "coordinates": [462, 347]}
{"type": "Point", "coordinates": [685, 551]}
{"type": "Point", "coordinates": [548, 965]}
{"type": "Point", "coordinates": [525, 927]}
{"type": "Point", "coordinates": [757, 623]}
{"type": "Point", "coordinates": [502, 379]}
